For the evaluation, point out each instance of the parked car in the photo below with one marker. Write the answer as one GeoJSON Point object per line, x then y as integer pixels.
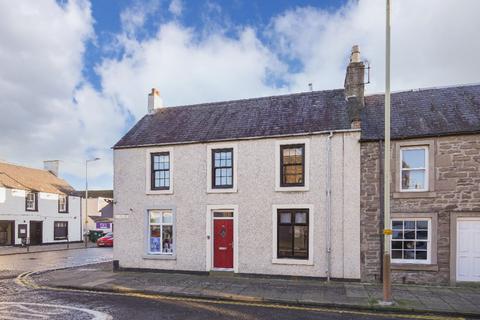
{"type": "Point", "coordinates": [106, 240]}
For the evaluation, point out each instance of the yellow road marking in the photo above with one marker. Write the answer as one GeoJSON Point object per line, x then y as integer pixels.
{"type": "Point", "coordinates": [26, 281]}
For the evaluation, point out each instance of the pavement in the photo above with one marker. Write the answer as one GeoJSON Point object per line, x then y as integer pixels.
{"type": "Point", "coordinates": [15, 264]}
{"type": "Point", "coordinates": [22, 298]}
{"type": "Point", "coordinates": [449, 301]}
{"type": "Point", "coordinates": [9, 250]}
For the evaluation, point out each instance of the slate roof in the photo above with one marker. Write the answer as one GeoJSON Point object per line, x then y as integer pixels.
{"type": "Point", "coordinates": [268, 116]}
{"type": "Point", "coordinates": [18, 177]}
{"type": "Point", "coordinates": [417, 113]}
{"type": "Point", "coordinates": [424, 113]}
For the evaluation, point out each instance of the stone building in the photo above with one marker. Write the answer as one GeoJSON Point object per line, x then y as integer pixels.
{"type": "Point", "coordinates": [435, 200]}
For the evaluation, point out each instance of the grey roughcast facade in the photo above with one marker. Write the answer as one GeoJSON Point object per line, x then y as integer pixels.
{"type": "Point", "coordinates": [257, 186]}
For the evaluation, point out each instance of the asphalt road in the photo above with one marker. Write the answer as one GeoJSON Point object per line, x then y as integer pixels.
{"type": "Point", "coordinates": [20, 302]}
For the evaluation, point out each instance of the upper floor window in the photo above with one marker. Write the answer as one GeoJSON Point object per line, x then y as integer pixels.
{"type": "Point", "coordinates": [31, 201]}
{"type": "Point", "coordinates": [292, 165]}
{"type": "Point", "coordinates": [160, 171]}
{"type": "Point", "coordinates": [63, 203]}
{"type": "Point", "coordinates": [222, 168]}
{"type": "Point", "coordinates": [414, 168]}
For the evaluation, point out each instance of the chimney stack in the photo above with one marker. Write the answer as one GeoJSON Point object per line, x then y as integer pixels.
{"type": "Point", "coordinates": [52, 166]}
{"type": "Point", "coordinates": [154, 101]}
{"type": "Point", "coordinates": [355, 87]}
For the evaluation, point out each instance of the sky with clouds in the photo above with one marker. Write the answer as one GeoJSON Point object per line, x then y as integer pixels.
{"type": "Point", "coordinates": [74, 75]}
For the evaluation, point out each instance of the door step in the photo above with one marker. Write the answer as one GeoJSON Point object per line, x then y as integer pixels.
{"type": "Point", "coordinates": [221, 274]}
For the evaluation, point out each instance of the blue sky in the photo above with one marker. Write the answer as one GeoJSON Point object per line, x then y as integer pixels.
{"type": "Point", "coordinates": [75, 78]}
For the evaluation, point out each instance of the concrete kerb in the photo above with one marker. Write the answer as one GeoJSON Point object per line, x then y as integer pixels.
{"type": "Point", "coordinates": [27, 280]}
{"type": "Point", "coordinates": [51, 250]}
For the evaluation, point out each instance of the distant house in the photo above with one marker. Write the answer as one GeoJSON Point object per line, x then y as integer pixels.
{"type": "Point", "coordinates": [38, 205]}
{"type": "Point", "coordinates": [98, 211]}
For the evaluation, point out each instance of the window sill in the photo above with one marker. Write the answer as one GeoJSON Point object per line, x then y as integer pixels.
{"type": "Point", "coordinates": [220, 190]}
{"type": "Point", "coordinates": [155, 192]}
{"type": "Point", "coordinates": [414, 194]}
{"type": "Point", "coordinates": [159, 257]}
{"type": "Point", "coordinates": [291, 189]}
{"type": "Point", "coordinates": [292, 261]}
{"type": "Point", "coordinates": [414, 267]}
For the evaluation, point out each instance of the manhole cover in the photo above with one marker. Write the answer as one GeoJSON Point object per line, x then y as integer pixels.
{"type": "Point", "coordinates": [32, 258]}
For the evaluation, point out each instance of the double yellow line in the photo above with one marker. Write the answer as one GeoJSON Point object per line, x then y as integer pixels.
{"type": "Point", "coordinates": [25, 280]}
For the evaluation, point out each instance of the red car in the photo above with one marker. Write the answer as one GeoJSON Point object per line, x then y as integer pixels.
{"type": "Point", "coordinates": [106, 240]}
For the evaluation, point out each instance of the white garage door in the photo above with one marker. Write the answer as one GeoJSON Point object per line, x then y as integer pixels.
{"type": "Point", "coordinates": [468, 250]}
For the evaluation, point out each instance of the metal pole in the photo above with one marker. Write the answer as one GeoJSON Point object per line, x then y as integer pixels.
{"type": "Point", "coordinates": [86, 202]}
{"type": "Point", "coordinates": [387, 288]}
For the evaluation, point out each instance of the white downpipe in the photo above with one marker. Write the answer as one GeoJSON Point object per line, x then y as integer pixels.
{"type": "Point", "coordinates": [328, 199]}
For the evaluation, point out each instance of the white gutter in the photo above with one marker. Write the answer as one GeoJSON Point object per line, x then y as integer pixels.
{"type": "Point", "coordinates": [328, 198]}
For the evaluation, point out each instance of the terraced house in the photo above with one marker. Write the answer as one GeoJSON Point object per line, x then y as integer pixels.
{"type": "Point", "coordinates": [291, 185]}
{"type": "Point", "coordinates": [257, 186]}
{"type": "Point", "coordinates": [435, 185]}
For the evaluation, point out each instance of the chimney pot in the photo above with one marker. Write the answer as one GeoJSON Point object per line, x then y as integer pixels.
{"type": "Point", "coordinates": [355, 55]}
{"type": "Point", "coordinates": [154, 101]}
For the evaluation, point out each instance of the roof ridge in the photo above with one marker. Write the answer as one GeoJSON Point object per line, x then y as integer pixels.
{"type": "Point", "coordinates": [205, 104]}
{"type": "Point", "coordinates": [22, 166]}
{"type": "Point", "coordinates": [453, 86]}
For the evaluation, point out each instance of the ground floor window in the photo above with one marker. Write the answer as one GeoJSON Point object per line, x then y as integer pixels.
{"type": "Point", "coordinates": [60, 230]}
{"type": "Point", "coordinates": [411, 240]}
{"type": "Point", "coordinates": [292, 233]}
{"type": "Point", "coordinates": [160, 232]}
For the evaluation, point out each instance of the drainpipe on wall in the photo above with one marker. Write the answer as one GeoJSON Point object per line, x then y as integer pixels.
{"type": "Point", "coordinates": [328, 194]}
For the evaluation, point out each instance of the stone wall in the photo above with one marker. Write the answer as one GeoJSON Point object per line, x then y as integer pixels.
{"type": "Point", "coordinates": [455, 188]}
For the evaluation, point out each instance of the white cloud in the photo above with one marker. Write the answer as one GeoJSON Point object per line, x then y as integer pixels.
{"type": "Point", "coordinates": [41, 65]}
{"type": "Point", "coordinates": [189, 69]}
{"type": "Point", "coordinates": [176, 7]}
{"type": "Point", "coordinates": [433, 42]}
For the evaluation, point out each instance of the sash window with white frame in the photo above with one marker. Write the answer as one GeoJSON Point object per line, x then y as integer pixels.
{"type": "Point", "coordinates": [411, 240]}
{"type": "Point", "coordinates": [160, 232]}
{"type": "Point", "coordinates": [31, 201]}
{"type": "Point", "coordinates": [414, 169]}
{"type": "Point", "coordinates": [63, 203]}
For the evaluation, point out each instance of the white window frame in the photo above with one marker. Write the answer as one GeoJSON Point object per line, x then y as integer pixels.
{"type": "Point", "coordinates": [426, 168]}
{"type": "Point", "coordinates": [429, 242]}
{"type": "Point", "coordinates": [311, 223]}
{"type": "Point", "coordinates": [161, 224]}
{"type": "Point", "coordinates": [35, 201]}
{"type": "Point", "coordinates": [278, 178]}
{"type": "Point", "coordinates": [148, 173]}
{"type": "Point", "coordinates": [65, 203]}
{"type": "Point", "coordinates": [214, 146]}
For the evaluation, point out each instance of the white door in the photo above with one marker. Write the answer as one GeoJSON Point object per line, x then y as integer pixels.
{"type": "Point", "coordinates": [468, 250]}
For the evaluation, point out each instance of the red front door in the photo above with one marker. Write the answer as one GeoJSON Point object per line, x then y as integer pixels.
{"type": "Point", "coordinates": [223, 243]}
